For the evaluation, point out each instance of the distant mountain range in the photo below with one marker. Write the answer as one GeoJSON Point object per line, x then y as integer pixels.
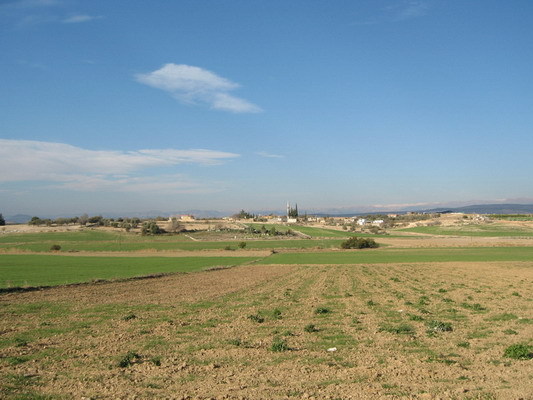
{"type": "Point", "coordinates": [489, 209]}
{"type": "Point", "coordinates": [472, 209]}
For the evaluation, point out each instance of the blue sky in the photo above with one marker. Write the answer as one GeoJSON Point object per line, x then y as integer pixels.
{"type": "Point", "coordinates": [119, 106]}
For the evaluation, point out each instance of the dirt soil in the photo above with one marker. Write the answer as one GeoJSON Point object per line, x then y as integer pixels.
{"type": "Point", "coordinates": [211, 335]}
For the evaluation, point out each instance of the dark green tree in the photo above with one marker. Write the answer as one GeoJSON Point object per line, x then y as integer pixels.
{"type": "Point", "coordinates": [2, 220]}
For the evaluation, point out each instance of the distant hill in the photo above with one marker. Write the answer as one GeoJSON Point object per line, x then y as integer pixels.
{"type": "Point", "coordinates": [488, 209]}
{"type": "Point", "coordinates": [18, 219]}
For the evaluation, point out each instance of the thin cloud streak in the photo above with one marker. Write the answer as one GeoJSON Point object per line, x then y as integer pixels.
{"type": "Point", "coordinates": [76, 19]}
{"type": "Point", "coordinates": [195, 85]}
{"type": "Point", "coordinates": [82, 169]}
{"type": "Point", "coordinates": [269, 155]}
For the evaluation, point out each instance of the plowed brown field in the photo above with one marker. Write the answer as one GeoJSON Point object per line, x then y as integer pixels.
{"type": "Point", "coordinates": [245, 333]}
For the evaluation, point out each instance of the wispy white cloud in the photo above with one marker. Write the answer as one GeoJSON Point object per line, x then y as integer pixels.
{"type": "Point", "coordinates": [195, 85]}
{"type": "Point", "coordinates": [409, 10]}
{"type": "Point", "coordinates": [398, 11]}
{"type": "Point", "coordinates": [78, 18]}
{"type": "Point", "coordinates": [269, 155]}
{"type": "Point", "coordinates": [76, 168]}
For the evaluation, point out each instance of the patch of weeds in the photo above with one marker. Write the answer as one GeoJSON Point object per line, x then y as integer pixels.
{"type": "Point", "coordinates": [447, 300]}
{"type": "Point", "coordinates": [525, 320]}
{"type": "Point", "coordinates": [394, 279]}
{"type": "Point", "coordinates": [516, 294]}
{"type": "Point", "coordinates": [322, 310]}
{"type": "Point", "coordinates": [235, 342]}
{"type": "Point", "coordinates": [503, 317]}
{"type": "Point", "coordinates": [423, 301]}
{"type": "Point", "coordinates": [480, 334]}
{"type": "Point", "coordinates": [441, 359]}
{"type": "Point", "coordinates": [287, 333]}
{"type": "Point", "coordinates": [414, 317]}
{"type": "Point", "coordinates": [402, 329]}
{"type": "Point", "coordinates": [465, 345]}
{"type": "Point", "coordinates": [276, 314]}
{"type": "Point", "coordinates": [18, 360]}
{"type": "Point", "coordinates": [371, 303]}
{"type": "Point", "coordinates": [279, 345]}
{"type": "Point", "coordinates": [154, 386]}
{"type": "Point", "coordinates": [129, 359]}
{"type": "Point", "coordinates": [463, 378]}
{"type": "Point", "coordinates": [310, 328]}
{"type": "Point", "coordinates": [156, 360]}
{"type": "Point", "coordinates": [294, 393]}
{"type": "Point", "coordinates": [474, 306]}
{"type": "Point", "coordinates": [408, 303]}
{"type": "Point", "coordinates": [519, 351]}
{"type": "Point", "coordinates": [441, 290]}
{"type": "Point", "coordinates": [256, 318]}
{"type": "Point", "coordinates": [439, 326]}
{"type": "Point", "coordinates": [20, 342]}
{"type": "Point", "coordinates": [129, 316]}
{"type": "Point", "coordinates": [510, 332]}
{"type": "Point", "coordinates": [424, 311]}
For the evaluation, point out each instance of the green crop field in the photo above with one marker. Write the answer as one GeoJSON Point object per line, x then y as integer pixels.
{"type": "Point", "coordinates": [375, 256]}
{"type": "Point", "coordinates": [492, 230]}
{"type": "Point", "coordinates": [150, 243]}
{"type": "Point", "coordinates": [49, 270]}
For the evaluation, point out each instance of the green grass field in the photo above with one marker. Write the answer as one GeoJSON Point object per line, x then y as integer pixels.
{"type": "Point", "coordinates": [492, 230]}
{"type": "Point", "coordinates": [375, 256]}
{"type": "Point", "coordinates": [148, 244]}
{"type": "Point", "coordinates": [50, 270]}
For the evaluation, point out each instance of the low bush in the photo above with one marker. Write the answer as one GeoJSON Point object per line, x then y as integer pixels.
{"type": "Point", "coordinates": [359, 243]}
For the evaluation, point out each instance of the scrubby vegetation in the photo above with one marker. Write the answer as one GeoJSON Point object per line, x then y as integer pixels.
{"type": "Point", "coordinates": [359, 243]}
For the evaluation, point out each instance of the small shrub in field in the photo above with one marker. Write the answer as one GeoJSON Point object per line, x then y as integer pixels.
{"type": "Point", "coordinates": [242, 245]}
{"type": "Point", "coordinates": [55, 247]}
{"type": "Point", "coordinates": [519, 352]}
{"type": "Point", "coordinates": [130, 358]}
{"type": "Point", "coordinates": [228, 248]}
{"type": "Point", "coordinates": [156, 361]}
{"type": "Point", "coordinates": [359, 243]}
{"type": "Point", "coordinates": [279, 345]}
{"type": "Point", "coordinates": [256, 318]}
{"type": "Point", "coordinates": [414, 317]}
{"type": "Point", "coordinates": [276, 314]}
{"type": "Point", "coordinates": [129, 316]}
{"type": "Point", "coordinates": [310, 328]}
{"type": "Point", "coordinates": [371, 303]}
{"type": "Point", "coordinates": [510, 332]}
{"type": "Point", "coordinates": [464, 345]}
{"type": "Point", "coordinates": [438, 326]}
{"type": "Point", "coordinates": [322, 310]}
